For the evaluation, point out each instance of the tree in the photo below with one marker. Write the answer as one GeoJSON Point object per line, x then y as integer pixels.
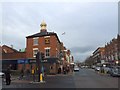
{"type": "Point", "coordinates": [89, 61]}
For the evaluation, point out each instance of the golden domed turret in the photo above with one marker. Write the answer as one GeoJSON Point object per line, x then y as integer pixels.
{"type": "Point", "coordinates": [43, 23]}
{"type": "Point", "coordinates": [43, 26]}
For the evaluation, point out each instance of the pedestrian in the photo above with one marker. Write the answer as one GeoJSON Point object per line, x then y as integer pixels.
{"type": "Point", "coordinates": [45, 73]}
{"type": "Point", "coordinates": [8, 76]}
{"type": "Point", "coordinates": [59, 70]}
{"type": "Point", "coordinates": [64, 70]}
{"type": "Point", "coordinates": [21, 74]}
{"type": "Point", "coordinates": [67, 69]}
{"type": "Point", "coordinates": [102, 69]}
{"type": "Point", "coordinates": [27, 74]}
{"type": "Point", "coordinates": [33, 74]}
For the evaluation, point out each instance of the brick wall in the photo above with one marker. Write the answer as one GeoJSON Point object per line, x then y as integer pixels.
{"type": "Point", "coordinates": [29, 48]}
{"type": "Point", "coordinates": [16, 55]}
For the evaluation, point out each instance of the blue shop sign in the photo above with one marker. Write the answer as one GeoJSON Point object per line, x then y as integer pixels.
{"type": "Point", "coordinates": [23, 61]}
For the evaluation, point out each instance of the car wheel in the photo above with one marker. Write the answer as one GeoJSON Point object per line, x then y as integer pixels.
{"type": "Point", "coordinates": [113, 75]}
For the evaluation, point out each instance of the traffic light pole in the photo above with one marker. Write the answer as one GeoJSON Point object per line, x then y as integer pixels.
{"type": "Point", "coordinates": [39, 58]}
{"type": "Point", "coordinates": [42, 68]}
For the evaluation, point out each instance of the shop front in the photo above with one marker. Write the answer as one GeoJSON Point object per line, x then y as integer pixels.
{"type": "Point", "coordinates": [10, 63]}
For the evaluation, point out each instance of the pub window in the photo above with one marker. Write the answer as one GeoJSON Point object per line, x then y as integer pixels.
{"type": "Point", "coordinates": [47, 53]}
{"type": "Point", "coordinates": [35, 41]}
{"type": "Point", "coordinates": [35, 52]}
{"type": "Point", "coordinates": [47, 40]}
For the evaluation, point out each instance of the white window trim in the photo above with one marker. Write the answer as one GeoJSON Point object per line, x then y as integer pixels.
{"type": "Point", "coordinates": [47, 48]}
{"type": "Point", "coordinates": [46, 36]}
{"type": "Point", "coordinates": [33, 51]}
{"type": "Point", "coordinates": [35, 48]}
{"type": "Point", "coordinates": [35, 37]}
{"type": "Point", "coordinates": [45, 51]}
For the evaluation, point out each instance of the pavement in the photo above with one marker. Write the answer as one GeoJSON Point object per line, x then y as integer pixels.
{"type": "Point", "coordinates": [15, 79]}
{"type": "Point", "coordinates": [51, 81]}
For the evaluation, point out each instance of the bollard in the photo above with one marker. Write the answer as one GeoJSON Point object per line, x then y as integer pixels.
{"type": "Point", "coordinates": [33, 74]}
{"type": "Point", "coordinates": [105, 72]}
{"type": "Point", "coordinates": [41, 78]}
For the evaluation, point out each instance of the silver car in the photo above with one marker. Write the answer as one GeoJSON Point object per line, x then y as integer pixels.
{"type": "Point", "coordinates": [106, 69]}
{"type": "Point", "coordinates": [115, 71]}
{"type": "Point", "coordinates": [76, 68]}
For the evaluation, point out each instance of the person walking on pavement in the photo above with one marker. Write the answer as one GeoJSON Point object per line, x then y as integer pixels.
{"type": "Point", "coordinates": [64, 70]}
{"type": "Point", "coordinates": [59, 70]}
{"type": "Point", "coordinates": [21, 74]}
{"type": "Point", "coordinates": [67, 69]}
{"type": "Point", "coordinates": [8, 76]}
{"type": "Point", "coordinates": [27, 74]}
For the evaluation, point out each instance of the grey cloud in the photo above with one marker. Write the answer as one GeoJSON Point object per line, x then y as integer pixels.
{"type": "Point", "coordinates": [82, 50]}
{"type": "Point", "coordinates": [81, 56]}
{"type": "Point", "coordinates": [87, 25]}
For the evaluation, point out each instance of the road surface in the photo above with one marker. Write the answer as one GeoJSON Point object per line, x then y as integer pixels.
{"type": "Point", "coordinates": [85, 78]}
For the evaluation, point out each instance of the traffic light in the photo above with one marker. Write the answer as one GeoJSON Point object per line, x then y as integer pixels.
{"type": "Point", "coordinates": [37, 57]}
{"type": "Point", "coordinates": [42, 56]}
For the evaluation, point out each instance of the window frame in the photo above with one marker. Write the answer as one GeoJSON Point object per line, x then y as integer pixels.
{"type": "Point", "coordinates": [34, 54]}
{"type": "Point", "coordinates": [47, 52]}
{"type": "Point", "coordinates": [47, 40]}
{"type": "Point", "coordinates": [35, 43]}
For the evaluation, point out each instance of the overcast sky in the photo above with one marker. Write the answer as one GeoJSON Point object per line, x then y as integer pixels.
{"type": "Point", "coordinates": [87, 25]}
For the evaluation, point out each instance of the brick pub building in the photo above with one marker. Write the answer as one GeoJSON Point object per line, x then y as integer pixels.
{"type": "Point", "coordinates": [47, 43]}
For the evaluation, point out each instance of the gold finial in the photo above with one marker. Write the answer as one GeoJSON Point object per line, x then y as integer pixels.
{"type": "Point", "coordinates": [43, 25]}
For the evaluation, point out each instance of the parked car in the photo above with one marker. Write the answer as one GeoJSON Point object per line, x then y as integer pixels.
{"type": "Point", "coordinates": [97, 68]}
{"type": "Point", "coordinates": [115, 71]}
{"type": "Point", "coordinates": [106, 69]}
{"type": "Point", "coordinates": [93, 66]}
{"type": "Point", "coordinates": [76, 68]}
{"type": "Point", "coordinates": [2, 74]}
{"type": "Point", "coordinates": [82, 67]}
